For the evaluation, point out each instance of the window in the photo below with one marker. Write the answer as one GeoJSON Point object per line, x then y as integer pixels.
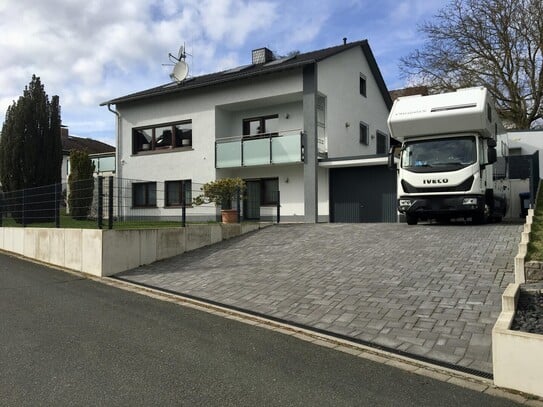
{"type": "Point", "coordinates": [321, 125]}
{"type": "Point", "coordinates": [255, 126]}
{"type": "Point", "coordinates": [269, 188]}
{"type": "Point", "coordinates": [443, 154]}
{"type": "Point", "coordinates": [362, 85]}
{"type": "Point", "coordinates": [144, 194]}
{"type": "Point", "coordinates": [364, 134]}
{"type": "Point", "coordinates": [174, 192]}
{"type": "Point", "coordinates": [382, 142]}
{"type": "Point", "coordinates": [165, 136]}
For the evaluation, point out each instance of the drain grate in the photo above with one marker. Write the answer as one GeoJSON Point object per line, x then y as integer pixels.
{"type": "Point", "coordinates": [420, 358]}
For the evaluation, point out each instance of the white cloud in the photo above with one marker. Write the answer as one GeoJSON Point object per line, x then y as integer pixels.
{"type": "Point", "coordinates": [88, 51]}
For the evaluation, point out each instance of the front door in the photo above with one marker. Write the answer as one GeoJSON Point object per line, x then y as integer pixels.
{"type": "Point", "coordinates": [252, 200]}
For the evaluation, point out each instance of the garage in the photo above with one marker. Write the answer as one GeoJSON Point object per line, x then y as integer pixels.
{"type": "Point", "coordinates": [363, 194]}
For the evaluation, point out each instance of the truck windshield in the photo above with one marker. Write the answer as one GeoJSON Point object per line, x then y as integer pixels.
{"type": "Point", "coordinates": [446, 154]}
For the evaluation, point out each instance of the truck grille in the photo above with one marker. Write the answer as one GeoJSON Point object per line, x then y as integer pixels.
{"type": "Point", "coordinates": [464, 186]}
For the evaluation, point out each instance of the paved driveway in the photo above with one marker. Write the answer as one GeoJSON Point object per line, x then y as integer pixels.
{"type": "Point", "coordinates": [429, 290]}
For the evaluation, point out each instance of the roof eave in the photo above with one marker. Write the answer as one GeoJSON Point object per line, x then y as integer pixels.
{"type": "Point", "coordinates": [218, 81]}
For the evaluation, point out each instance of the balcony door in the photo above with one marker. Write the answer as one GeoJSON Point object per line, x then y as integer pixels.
{"type": "Point", "coordinates": [261, 125]}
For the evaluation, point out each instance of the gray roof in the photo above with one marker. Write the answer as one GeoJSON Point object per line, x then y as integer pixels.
{"type": "Point", "coordinates": [254, 70]}
{"type": "Point", "coordinates": [91, 146]}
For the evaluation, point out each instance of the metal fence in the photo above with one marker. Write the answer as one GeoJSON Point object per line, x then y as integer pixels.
{"type": "Point", "coordinates": [112, 202]}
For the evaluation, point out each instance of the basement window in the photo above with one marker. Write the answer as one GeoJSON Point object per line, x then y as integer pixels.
{"type": "Point", "coordinates": [144, 194]}
{"type": "Point", "coordinates": [174, 193]}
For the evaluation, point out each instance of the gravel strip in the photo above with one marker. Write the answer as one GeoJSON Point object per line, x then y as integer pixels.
{"type": "Point", "coordinates": [529, 315]}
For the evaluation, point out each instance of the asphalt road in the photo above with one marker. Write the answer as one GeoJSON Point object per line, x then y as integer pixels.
{"type": "Point", "coordinates": [65, 340]}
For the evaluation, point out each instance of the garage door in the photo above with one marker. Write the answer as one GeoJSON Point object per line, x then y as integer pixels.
{"type": "Point", "coordinates": [363, 194]}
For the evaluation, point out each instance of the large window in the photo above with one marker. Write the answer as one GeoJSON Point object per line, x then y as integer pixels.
{"type": "Point", "coordinates": [174, 193]}
{"type": "Point", "coordinates": [144, 194]}
{"type": "Point", "coordinates": [265, 125]}
{"type": "Point", "coordinates": [161, 137]}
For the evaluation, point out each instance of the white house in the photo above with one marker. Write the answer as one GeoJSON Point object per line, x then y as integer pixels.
{"type": "Point", "coordinates": [311, 126]}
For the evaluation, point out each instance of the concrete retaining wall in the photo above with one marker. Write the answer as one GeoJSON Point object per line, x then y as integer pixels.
{"type": "Point", "coordinates": [107, 252]}
{"type": "Point", "coordinates": [517, 356]}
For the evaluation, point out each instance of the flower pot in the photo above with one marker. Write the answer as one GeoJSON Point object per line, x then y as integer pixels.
{"type": "Point", "coordinates": [229, 215]}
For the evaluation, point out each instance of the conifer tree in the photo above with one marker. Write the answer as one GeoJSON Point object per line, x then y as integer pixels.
{"type": "Point", "coordinates": [81, 184]}
{"type": "Point", "coordinates": [31, 152]}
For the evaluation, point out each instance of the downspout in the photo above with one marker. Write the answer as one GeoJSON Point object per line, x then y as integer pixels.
{"type": "Point", "coordinates": [118, 164]}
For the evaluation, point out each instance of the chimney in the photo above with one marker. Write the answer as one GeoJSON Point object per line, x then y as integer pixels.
{"type": "Point", "coordinates": [63, 131]}
{"type": "Point", "coordinates": [344, 40]}
{"type": "Point", "coordinates": [262, 55]}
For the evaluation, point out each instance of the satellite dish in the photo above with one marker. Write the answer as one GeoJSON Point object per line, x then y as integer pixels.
{"type": "Point", "coordinates": [180, 71]}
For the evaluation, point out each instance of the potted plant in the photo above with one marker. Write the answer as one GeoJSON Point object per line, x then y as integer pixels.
{"type": "Point", "coordinates": [222, 192]}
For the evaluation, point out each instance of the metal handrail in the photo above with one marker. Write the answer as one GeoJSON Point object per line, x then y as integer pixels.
{"type": "Point", "coordinates": [254, 136]}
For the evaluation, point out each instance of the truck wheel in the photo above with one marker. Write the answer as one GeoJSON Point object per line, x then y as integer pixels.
{"type": "Point", "coordinates": [411, 220]}
{"type": "Point", "coordinates": [480, 218]}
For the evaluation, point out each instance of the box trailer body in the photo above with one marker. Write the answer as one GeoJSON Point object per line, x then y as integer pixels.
{"type": "Point", "coordinates": [450, 143]}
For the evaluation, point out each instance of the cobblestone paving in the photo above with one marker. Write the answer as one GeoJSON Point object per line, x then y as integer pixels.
{"type": "Point", "coordinates": [429, 290]}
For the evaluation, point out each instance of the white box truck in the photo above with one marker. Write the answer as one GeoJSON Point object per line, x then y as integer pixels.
{"type": "Point", "coordinates": [449, 145]}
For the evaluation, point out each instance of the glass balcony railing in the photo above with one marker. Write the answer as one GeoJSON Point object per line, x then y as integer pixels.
{"type": "Point", "coordinates": [104, 164]}
{"type": "Point", "coordinates": [246, 151]}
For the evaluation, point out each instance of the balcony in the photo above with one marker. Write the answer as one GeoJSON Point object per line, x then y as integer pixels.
{"type": "Point", "coordinates": [263, 149]}
{"type": "Point", "coordinates": [104, 164]}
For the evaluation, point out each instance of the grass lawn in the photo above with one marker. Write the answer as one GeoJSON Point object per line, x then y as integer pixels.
{"type": "Point", "coordinates": [68, 222]}
{"type": "Point", "coordinates": [535, 247]}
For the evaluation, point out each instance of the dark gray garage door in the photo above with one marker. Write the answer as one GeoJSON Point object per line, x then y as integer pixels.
{"type": "Point", "coordinates": [363, 194]}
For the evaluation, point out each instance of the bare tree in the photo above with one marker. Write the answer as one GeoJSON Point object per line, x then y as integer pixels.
{"type": "Point", "coordinates": [493, 43]}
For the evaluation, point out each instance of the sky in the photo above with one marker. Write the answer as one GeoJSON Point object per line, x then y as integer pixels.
{"type": "Point", "coordinates": [91, 51]}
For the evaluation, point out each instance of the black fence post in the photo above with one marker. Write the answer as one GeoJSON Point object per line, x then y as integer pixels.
{"type": "Point", "coordinates": [183, 206]}
{"type": "Point", "coordinates": [110, 203]}
{"type": "Point", "coordinates": [278, 207]}
{"type": "Point", "coordinates": [100, 209]}
{"type": "Point", "coordinates": [57, 205]}
{"type": "Point", "coordinates": [238, 205]}
{"type": "Point", "coordinates": [23, 215]}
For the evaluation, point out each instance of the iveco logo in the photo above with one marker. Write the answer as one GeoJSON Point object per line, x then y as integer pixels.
{"type": "Point", "coordinates": [435, 181]}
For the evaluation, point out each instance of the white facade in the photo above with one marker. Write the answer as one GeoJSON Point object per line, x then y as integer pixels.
{"type": "Point", "coordinates": [217, 113]}
{"type": "Point", "coordinates": [338, 80]}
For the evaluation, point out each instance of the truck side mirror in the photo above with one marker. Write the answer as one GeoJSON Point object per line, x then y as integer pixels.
{"type": "Point", "coordinates": [492, 156]}
{"type": "Point", "coordinates": [391, 164]}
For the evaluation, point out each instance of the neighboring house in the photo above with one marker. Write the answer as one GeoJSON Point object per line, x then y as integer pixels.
{"type": "Point", "coordinates": [414, 90]}
{"type": "Point", "coordinates": [526, 142]}
{"type": "Point", "coordinates": [311, 126]}
{"type": "Point", "coordinates": [101, 154]}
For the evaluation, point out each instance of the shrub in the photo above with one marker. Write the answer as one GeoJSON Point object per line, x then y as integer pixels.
{"type": "Point", "coordinates": [221, 192]}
